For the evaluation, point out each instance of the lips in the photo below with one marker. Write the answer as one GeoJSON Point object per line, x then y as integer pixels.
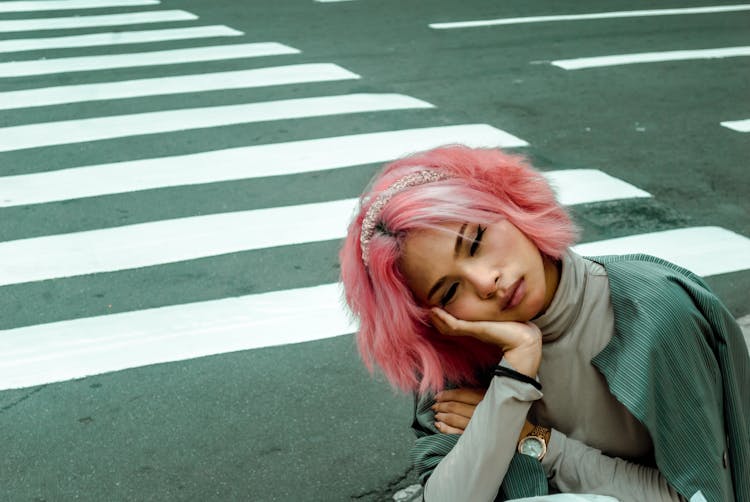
{"type": "Point", "coordinates": [514, 295]}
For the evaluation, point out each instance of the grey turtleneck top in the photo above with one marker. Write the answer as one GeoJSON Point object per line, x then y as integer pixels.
{"type": "Point", "coordinates": [596, 442]}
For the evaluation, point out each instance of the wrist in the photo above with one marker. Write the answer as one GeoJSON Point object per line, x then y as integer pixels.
{"type": "Point", "coordinates": [534, 442]}
{"type": "Point", "coordinates": [526, 430]}
{"type": "Point", "coordinates": [502, 370]}
{"type": "Point", "coordinates": [525, 359]}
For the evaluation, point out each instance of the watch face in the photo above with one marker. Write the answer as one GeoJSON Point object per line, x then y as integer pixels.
{"type": "Point", "coordinates": [532, 446]}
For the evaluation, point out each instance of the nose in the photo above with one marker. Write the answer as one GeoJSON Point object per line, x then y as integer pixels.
{"type": "Point", "coordinates": [484, 281]}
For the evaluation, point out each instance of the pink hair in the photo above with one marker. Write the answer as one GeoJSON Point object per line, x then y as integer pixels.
{"type": "Point", "coordinates": [483, 185]}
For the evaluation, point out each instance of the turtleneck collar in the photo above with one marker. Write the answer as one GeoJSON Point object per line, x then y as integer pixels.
{"type": "Point", "coordinates": [566, 303]}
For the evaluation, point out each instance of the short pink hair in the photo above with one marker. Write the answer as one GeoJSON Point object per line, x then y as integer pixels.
{"type": "Point", "coordinates": [482, 186]}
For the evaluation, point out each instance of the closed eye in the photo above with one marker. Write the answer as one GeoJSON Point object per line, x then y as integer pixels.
{"type": "Point", "coordinates": [477, 240]}
{"type": "Point", "coordinates": [449, 294]}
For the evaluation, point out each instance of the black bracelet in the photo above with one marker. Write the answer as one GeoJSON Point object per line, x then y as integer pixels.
{"type": "Point", "coordinates": [507, 372]}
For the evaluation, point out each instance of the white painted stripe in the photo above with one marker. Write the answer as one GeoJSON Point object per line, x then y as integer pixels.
{"type": "Point", "coordinates": [154, 243]}
{"type": "Point", "coordinates": [261, 77]}
{"type": "Point", "coordinates": [64, 23]}
{"type": "Point", "coordinates": [53, 352]}
{"type": "Point", "coordinates": [651, 57]}
{"type": "Point", "coordinates": [72, 349]}
{"type": "Point", "coordinates": [579, 186]}
{"type": "Point", "coordinates": [116, 38]}
{"type": "Point", "coordinates": [76, 131]}
{"type": "Point", "coordinates": [695, 248]}
{"type": "Point", "coordinates": [597, 15]}
{"type": "Point", "coordinates": [275, 159]}
{"type": "Point", "coordinates": [132, 60]}
{"type": "Point", "coordinates": [40, 5]}
{"type": "Point", "coordinates": [169, 241]}
{"type": "Point", "coordinates": [738, 125]}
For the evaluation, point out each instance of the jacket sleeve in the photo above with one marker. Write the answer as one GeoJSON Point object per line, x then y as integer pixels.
{"type": "Point", "coordinates": [679, 364]}
{"type": "Point", "coordinates": [573, 467]}
{"type": "Point", "coordinates": [472, 466]}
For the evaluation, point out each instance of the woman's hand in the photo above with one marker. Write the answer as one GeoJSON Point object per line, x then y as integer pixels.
{"type": "Point", "coordinates": [454, 408]}
{"type": "Point", "coordinates": [521, 342]}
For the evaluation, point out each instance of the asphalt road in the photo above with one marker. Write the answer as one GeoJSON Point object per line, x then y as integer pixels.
{"type": "Point", "coordinates": [305, 421]}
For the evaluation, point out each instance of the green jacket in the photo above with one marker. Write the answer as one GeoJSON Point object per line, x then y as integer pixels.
{"type": "Point", "coordinates": [678, 361]}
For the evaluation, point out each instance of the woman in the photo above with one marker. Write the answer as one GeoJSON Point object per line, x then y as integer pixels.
{"type": "Point", "coordinates": [619, 376]}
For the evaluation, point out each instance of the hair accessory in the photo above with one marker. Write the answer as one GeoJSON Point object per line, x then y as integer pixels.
{"type": "Point", "coordinates": [503, 371]}
{"type": "Point", "coordinates": [370, 223]}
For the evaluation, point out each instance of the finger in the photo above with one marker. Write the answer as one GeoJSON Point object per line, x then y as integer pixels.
{"type": "Point", "coordinates": [452, 407]}
{"type": "Point", "coordinates": [505, 334]}
{"type": "Point", "coordinates": [462, 395]}
{"type": "Point", "coordinates": [447, 324]}
{"type": "Point", "coordinates": [438, 321]}
{"type": "Point", "coordinates": [447, 429]}
{"type": "Point", "coordinates": [452, 420]}
{"type": "Point", "coordinates": [502, 333]}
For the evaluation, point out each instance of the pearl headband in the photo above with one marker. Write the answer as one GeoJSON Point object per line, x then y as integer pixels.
{"type": "Point", "coordinates": [369, 223]}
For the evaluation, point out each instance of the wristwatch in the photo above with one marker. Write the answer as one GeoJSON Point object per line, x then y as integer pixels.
{"type": "Point", "coordinates": [534, 444]}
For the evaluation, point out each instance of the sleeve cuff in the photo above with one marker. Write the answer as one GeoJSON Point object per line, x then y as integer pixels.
{"type": "Point", "coordinates": [504, 369]}
{"type": "Point", "coordinates": [554, 451]}
{"type": "Point", "coordinates": [522, 391]}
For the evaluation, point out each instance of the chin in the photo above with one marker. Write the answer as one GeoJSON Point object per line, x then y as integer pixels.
{"type": "Point", "coordinates": [524, 316]}
{"type": "Point", "coordinates": [519, 314]}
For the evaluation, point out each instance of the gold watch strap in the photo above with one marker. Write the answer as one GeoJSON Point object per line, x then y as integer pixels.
{"type": "Point", "coordinates": [540, 432]}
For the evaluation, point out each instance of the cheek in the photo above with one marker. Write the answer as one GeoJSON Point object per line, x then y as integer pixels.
{"type": "Point", "coordinates": [534, 302]}
{"type": "Point", "coordinates": [468, 309]}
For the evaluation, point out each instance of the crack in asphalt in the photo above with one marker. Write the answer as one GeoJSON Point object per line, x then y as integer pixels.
{"type": "Point", "coordinates": [21, 399]}
{"type": "Point", "coordinates": [387, 492]}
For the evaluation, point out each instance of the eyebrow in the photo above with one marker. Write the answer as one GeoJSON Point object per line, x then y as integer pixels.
{"type": "Point", "coordinates": [459, 239]}
{"type": "Point", "coordinates": [456, 249]}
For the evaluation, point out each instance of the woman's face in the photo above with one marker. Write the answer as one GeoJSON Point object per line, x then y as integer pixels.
{"type": "Point", "coordinates": [479, 273]}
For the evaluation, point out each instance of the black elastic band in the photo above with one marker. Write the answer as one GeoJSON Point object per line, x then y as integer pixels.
{"type": "Point", "coordinates": [507, 372]}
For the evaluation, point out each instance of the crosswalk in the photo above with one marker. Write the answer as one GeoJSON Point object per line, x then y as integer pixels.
{"type": "Point", "coordinates": [244, 79]}
{"type": "Point", "coordinates": [57, 5]}
{"type": "Point", "coordinates": [72, 349]}
{"type": "Point", "coordinates": [116, 38]}
{"type": "Point", "coordinates": [93, 129]}
{"type": "Point", "coordinates": [140, 59]}
{"type": "Point", "coordinates": [170, 241]}
{"type": "Point", "coordinates": [35, 354]}
{"type": "Point", "coordinates": [72, 22]}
